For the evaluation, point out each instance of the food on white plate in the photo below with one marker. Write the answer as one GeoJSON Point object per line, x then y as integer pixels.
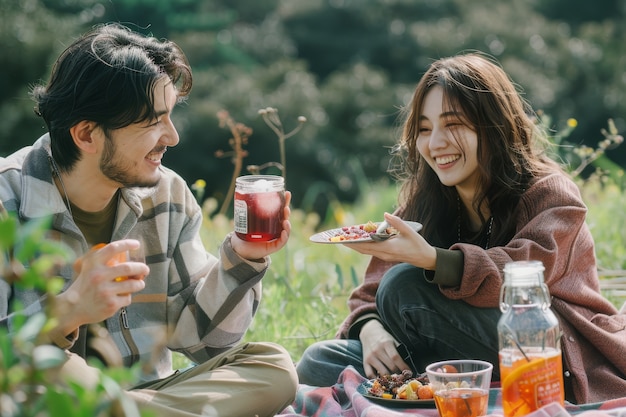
{"type": "Point", "coordinates": [359, 231]}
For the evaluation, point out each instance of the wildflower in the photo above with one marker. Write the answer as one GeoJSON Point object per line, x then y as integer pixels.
{"type": "Point", "coordinates": [199, 187]}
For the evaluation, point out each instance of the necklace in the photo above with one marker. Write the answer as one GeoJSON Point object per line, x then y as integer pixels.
{"type": "Point", "coordinates": [80, 220]}
{"type": "Point", "coordinates": [57, 174]}
{"type": "Point", "coordinates": [487, 236]}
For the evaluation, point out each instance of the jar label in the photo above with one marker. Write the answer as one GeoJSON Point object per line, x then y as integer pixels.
{"type": "Point", "coordinates": [241, 216]}
{"type": "Point", "coordinates": [529, 384]}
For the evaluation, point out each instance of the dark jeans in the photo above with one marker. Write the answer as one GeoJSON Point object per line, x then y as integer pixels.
{"type": "Point", "coordinates": [323, 361]}
{"type": "Point", "coordinates": [433, 327]}
{"type": "Point", "coordinates": [430, 327]}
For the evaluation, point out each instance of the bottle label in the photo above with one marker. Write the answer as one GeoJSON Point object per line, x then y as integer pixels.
{"type": "Point", "coordinates": [241, 216]}
{"type": "Point", "coordinates": [529, 384]}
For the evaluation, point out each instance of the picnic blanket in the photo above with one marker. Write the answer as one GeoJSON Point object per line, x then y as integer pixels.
{"type": "Point", "coordinates": [345, 399]}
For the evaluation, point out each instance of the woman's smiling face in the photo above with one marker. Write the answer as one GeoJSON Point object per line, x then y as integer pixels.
{"type": "Point", "coordinates": [447, 144]}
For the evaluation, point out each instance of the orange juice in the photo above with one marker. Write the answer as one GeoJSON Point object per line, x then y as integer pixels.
{"type": "Point", "coordinates": [462, 402]}
{"type": "Point", "coordinates": [118, 258]}
{"type": "Point", "coordinates": [529, 385]}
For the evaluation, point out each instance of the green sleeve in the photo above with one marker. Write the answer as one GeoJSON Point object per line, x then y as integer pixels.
{"type": "Point", "coordinates": [448, 268]}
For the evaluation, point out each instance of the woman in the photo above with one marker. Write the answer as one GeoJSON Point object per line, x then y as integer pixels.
{"type": "Point", "coordinates": [478, 179]}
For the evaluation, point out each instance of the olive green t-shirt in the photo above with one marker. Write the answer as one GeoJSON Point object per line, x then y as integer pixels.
{"type": "Point", "coordinates": [97, 227]}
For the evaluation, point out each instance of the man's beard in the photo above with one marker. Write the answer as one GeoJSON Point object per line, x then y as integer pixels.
{"type": "Point", "coordinates": [118, 170]}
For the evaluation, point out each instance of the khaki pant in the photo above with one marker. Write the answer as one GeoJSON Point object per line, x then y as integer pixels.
{"type": "Point", "coordinates": [250, 380]}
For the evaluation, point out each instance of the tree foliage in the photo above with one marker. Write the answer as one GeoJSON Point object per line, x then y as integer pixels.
{"type": "Point", "coordinates": [348, 66]}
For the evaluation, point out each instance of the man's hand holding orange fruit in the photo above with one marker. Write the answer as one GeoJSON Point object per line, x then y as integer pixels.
{"type": "Point", "coordinates": [101, 286]}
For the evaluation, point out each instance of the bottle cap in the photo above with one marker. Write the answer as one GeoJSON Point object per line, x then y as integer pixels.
{"type": "Point", "coordinates": [525, 273]}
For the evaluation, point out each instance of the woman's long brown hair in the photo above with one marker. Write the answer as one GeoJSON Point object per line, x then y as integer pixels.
{"type": "Point", "coordinates": [510, 148]}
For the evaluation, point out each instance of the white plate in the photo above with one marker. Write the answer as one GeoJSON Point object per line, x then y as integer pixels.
{"type": "Point", "coordinates": [324, 237]}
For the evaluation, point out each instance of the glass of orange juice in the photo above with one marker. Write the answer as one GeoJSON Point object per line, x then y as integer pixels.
{"type": "Point", "coordinates": [136, 255]}
{"type": "Point", "coordinates": [461, 387]}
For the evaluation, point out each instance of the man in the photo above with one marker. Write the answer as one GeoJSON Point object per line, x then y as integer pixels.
{"type": "Point", "coordinates": [98, 173]}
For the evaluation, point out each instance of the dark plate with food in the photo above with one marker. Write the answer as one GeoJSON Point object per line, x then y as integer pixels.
{"type": "Point", "coordinates": [399, 390]}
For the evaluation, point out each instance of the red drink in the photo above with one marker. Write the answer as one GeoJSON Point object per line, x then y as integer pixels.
{"type": "Point", "coordinates": [259, 203]}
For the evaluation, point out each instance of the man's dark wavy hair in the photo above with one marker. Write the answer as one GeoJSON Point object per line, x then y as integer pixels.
{"type": "Point", "coordinates": [107, 76]}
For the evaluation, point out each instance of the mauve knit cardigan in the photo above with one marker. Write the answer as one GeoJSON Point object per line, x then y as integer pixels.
{"type": "Point", "coordinates": [551, 228]}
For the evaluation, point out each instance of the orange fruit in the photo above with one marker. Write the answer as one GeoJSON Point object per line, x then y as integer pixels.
{"type": "Point", "coordinates": [425, 392]}
{"type": "Point", "coordinates": [448, 369]}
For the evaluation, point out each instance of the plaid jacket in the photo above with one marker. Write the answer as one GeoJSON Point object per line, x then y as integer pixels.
{"type": "Point", "coordinates": [193, 302]}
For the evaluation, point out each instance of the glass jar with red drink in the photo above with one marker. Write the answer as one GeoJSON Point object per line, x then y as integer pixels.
{"type": "Point", "coordinates": [259, 204]}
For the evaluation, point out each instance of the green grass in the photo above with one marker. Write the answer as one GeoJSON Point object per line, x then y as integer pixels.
{"type": "Point", "coordinates": [307, 285]}
{"type": "Point", "coordinates": [607, 221]}
{"type": "Point", "coordinates": [306, 289]}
